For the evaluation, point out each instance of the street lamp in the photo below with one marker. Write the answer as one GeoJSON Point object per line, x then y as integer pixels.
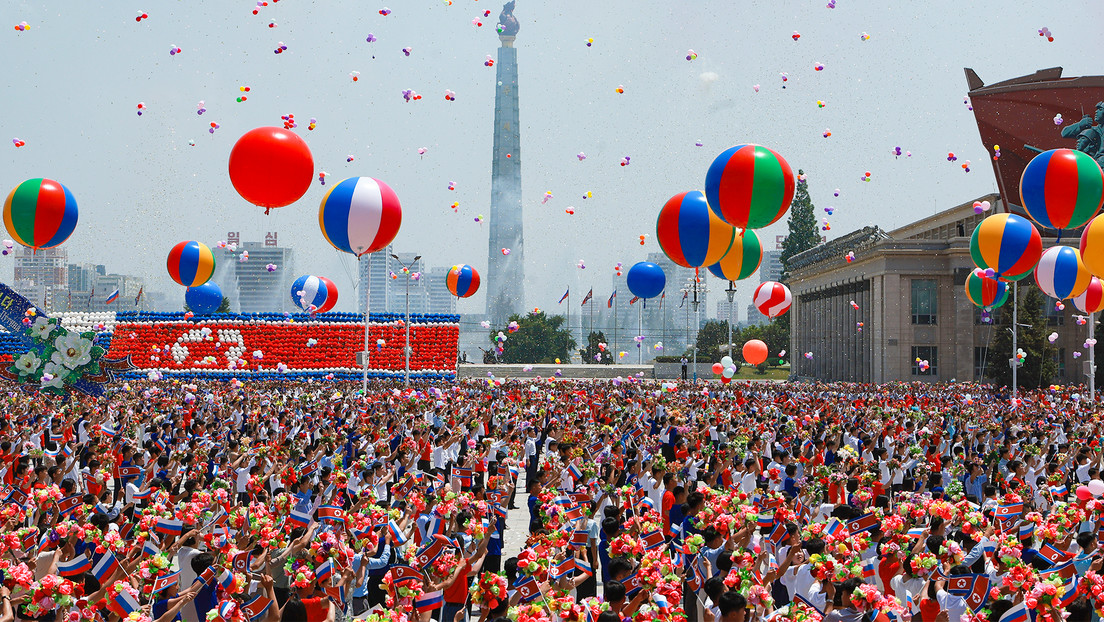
{"type": "Point", "coordinates": [406, 270]}
{"type": "Point", "coordinates": [695, 286]}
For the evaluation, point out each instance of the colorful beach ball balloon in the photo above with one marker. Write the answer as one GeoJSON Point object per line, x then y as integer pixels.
{"type": "Point", "coordinates": [1092, 299]}
{"type": "Point", "coordinates": [749, 186]}
{"type": "Point", "coordinates": [191, 263]}
{"type": "Point", "coordinates": [203, 299]}
{"type": "Point", "coordinates": [1007, 243]}
{"type": "Point", "coordinates": [1060, 273]}
{"type": "Point", "coordinates": [314, 294]}
{"type": "Point", "coordinates": [1062, 188]}
{"type": "Point", "coordinates": [985, 291]}
{"type": "Point", "coordinates": [772, 299]}
{"type": "Point", "coordinates": [741, 260]}
{"type": "Point", "coordinates": [646, 280]}
{"type": "Point", "coordinates": [1092, 246]}
{"type": "Point", "coordinates": [462, 281]}
{"type": "Point", "coordinates": [360, 215]}
{"type": "Point", "coordinates": [40, 213]}
{"type": "Point", "coordinates": [271, 167]}
{"type": "Point", "coordinates": [690, 233]}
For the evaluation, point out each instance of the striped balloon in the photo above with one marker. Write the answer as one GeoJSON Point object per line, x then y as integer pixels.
{"type": "Point", "coordinates": [1062, 188]}
{"type": "Point", "coordinates": [1007, 243]}
{"type": "Point", "coordinates": [690, 233]}
{"type": "Point", "coordinates": [360, 215]}
{"type": "Point", "coordinates": [742, 260]}
{"type": "Point", "coordinates": [462, 281]}
{"type": "Point", "coordinates": [1060, 273]}
{"type": "Point", "coordinates": [191, 263]}
{"type": "Point", "coordinates": [314, 294]}
{"type": "Point", "coordinates": [1092, 299]}
{"type": "Point", "coordinates": [1092, 246]}
{"type": "Point", "coordinates": [984, 291]}
{"type": "Point", "coordinates": [40, 213]}
{"type": "Point", "coordinates": [772, 299]}
{"type": "Point", "coordinates": [749, 186]}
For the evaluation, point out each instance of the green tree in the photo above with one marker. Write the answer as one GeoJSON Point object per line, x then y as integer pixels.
{"type": "Point", "coordinates": [712, 338]}
{"type": "Point", "coordinates": [803, 233]}
{"type": "Point", "coordinates": [540, 338]}
{"type": "Point", "coordinates": [592, 354]}
{"type": "Point", "coordinates": [801, 236]}
{"type": "Point", "coordinates": [1040, 366]}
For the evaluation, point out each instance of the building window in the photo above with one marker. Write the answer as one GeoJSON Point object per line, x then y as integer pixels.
{"type": "Point", "coordinates": [1060, 359]}
{"type": "Point", "coordinates": [1053, 315]}
{"type": "Point", "coordinates": [981, 357]}
{"type": "Point", "coordinates": [990, 318]}
{"type": "Point", "coordinates": [924, 353]}
{"type": "Point", "coordinates": [925, 301]}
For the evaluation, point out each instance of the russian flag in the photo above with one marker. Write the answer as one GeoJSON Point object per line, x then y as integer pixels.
{"type": "Point", "coordinates": [324, 571]}
{"type": "Point", "coordinates": [1027, 532]}
{"type": "Point", "coordinates": [142, 495]}
{"type": "Point", "coordinates": [107, 565]}
{"type": "Point", "coordinates": [915, 532]}
{"type": "Point", "coordinates": [397, 535]}
{"type": "Point", "coordinates": [765, 520]}
{"type": "Point", "coordinates": [833, 527]}
{"type": "Point", "coordinates": [169, 526]}
{"type": "Point", "coordinates": [337, 594]}
{"type": "Point", "coordinates": [576, 472]}
{"type": "Point", "coordinates": [429, 602]}
{"type": "Point", "coordinates": [1018, 613]}
{"type": "Point", "coordinates": [870, 567]}
{"type": "Point", "coordinates": [74, 567]}
{"type": "Point", "coordinates": [298, 519]}
{"type": "Point", "coordinates": [127, 603]}
{"type": "Point", "coordinates": [226, 578]}
{"type": "Point", "coordinates": [583, 566]}
{"type": "Point", "coordinates": [112, 297]}
{"type": "Point", "coordinates": [778, 534]}
{"type": "Point", "coordinates": [1059, 491]}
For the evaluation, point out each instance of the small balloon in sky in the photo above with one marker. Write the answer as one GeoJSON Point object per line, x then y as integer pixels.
{"type": "Point", "coordinates": [698, 143]}
{"type": "Point", "coordinates": [818, 66]}
{"type": "Point", "coordinates": [821, 103]}
{"type": "Point", "coordinates": [385, 11]}
{"type": "Point", "coordinates": [796, 35]}
{"type": "Point", "coordinates": [272, 24]}
{"type": "Point", "coordinates": [214, 126]}
{"type": "Point", "coordinates": [18, 143]}
{"type": "Point", "coordinates": [355, 75]}
{"type": "Point", "coordinates": [371, 38]}
{"type": "Point", "coordinates": [505, 251]}
{"type": "Point", "coordinates": [691, 55]}
{"type": "Point", "coordinates": [980, 207]}
{"type": "Point", "coordinates": [280, 48]}
{"type": "Point", "coordinates": [829, 210]}
{"type": "Point", "coordinates": [479, 218]}
{"type": "Point", "coordinates": [896, 152]}
{"type": "Point", "coordinates": [489, 62]}
{"type": "Point", "coordinates": [173, 50]}
{"type": "Point", "coordinates": [570, 211]}
{"type": "Point", "coordinates": [951, 157]}
{"type": "Point", "coordinates": [349, 158]}
{"type": "Point", "coordinates": [201, 107]}
{"type": "Point", "coordinates": [141, 16]}
{"type": "Point", "coordinates": [407, 50]}
{"type": "Point", "coordinates": [625, 161]}
{"type": "Point", "coordinates": [581, 156]}
{"type": "Point", "coordinates": [141, 108]}
{"type": "Point", "coordinates": [643, 237]}
{"type": "Point", "coordinates": [409, 95]}
{"type": "Point", "coordinates": [546, 197]}
{"type": "Point", "coordinates": [827, 133]}
{"type": "Point", "coordinates": [966, 166]}
{"type": "Point", "coordinates": [22, 26]}
{"type": "Point", "coordinates": [785, 78]}
{"type": "Point", "coordinates": [755, 87]}
{"type": "Point", "coordinates": [866, 176]}
{"type": "Point", "coordinates": [313, 124]}
{"type": "Point", "coordinates": [1058, 119]}
{"type": "Point", "coordinates": [581, 265]}
{"type": "Point", "coordinates": [452, 185]}
{"type": "Point", "coordinates": [260, 4]}
{"type": "Point", "coordinates": [590, 42]}
{"type": "Point", "coordinates": [477, 22]}
{"type": "Point", "coordinates": [1045, 32]}
{"type": "Point", "coordinates": [966, 100]}
{"type": "Point", "coordinates": [809, 355]}
{"type": "Point", "coordinates": [864, 37]}
{"type": "Point", "coordinates": [850, 256]}
{"type": "Point", "coordinates": [271, 267]}
{"type": "Point", "coordinates": [450, 96]}
{"type": "Point", "coordinates": [322, 177]}
{"type": "Point", "coordinates": [244, 257]}
{"type": "Point", "coordinates": [422, 150]}
{"type": "Point", "coordinates": [825, 226]}
{"type": "Point", "coordinates": [620, 89]}
{"type": "Point", "coordinates": [588, 195]}
{"type": "Point", "coordinates": [289, 121]}
{"type": "Point", "coordinates": [455, 206]}
{"type": "Point", "coordinates": [1052, 337]}
{"type": "Point", "coordinates": [1081, 320]}
{"type": "Point", "coordinates": [836, 192]}
{"type": "Point", "coordinates": [192, 143]}
{"type": "Point", "coordinates": [485, 324]}
{"type": "Point", "coordinates": [831, 5]}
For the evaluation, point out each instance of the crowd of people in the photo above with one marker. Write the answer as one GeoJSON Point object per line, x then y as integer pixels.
{"type": "Point", "coordinates": [534, 501]}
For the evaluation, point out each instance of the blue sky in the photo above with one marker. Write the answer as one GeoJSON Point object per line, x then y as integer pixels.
{"type": "Point", "coordinates": [73, 81]}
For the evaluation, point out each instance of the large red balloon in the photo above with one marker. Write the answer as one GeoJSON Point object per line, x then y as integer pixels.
{"type": "Point", "coordinates": [755, 351]}
{"type": "Point", "coordinates": [271, 167]}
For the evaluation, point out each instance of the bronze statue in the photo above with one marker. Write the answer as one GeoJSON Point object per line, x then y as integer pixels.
{"type": "Point", "coordinates": [1090, 138]}
{"type": "Point", "coordinates": [507, 24]}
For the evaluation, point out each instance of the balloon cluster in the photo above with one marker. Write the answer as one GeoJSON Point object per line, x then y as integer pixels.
{"type": "Point", "coordinates": [243, 89]}
{"type": "Point", "coordinates": [625, 161]}
{"type": "Point", "coordinates": [270, 267]}
{"type": "Point", "coordinates": [922, 364]}
{"type": "Point", "coordinates": [280, 48]}
{"type": "Point", "coordinates": [22, 26]}
{"type": "Point", "coordinates": [850, 256]}
{"type": "Point", "coordinates": [1021, 356]}
{"type": "Point", "coordinates": [141, 108]}
{"type": "Point", "coordinates": [9, 247]}
{"type": "Point", "coordinates": [409, 95]}
{"type": "Point", "coordinates": [173, 50]}
{"type": "Point", "coordinates": [371, 38]}
{"type": "Point", "coordinates": [1058, 119]}
{"type": "Point", "coordinates": [996, 152]}
{"type": "Point", "coordinates": [489, 62]}
{"type": "Point", "coordinates": [691, 55]}
{"type": "Point", "coordinates": [981, 207]}
{"type": "Point", "coordinates": [866, 176]}
{"type": "Point", "coordinates": [1045, 32]}
{"type": "Point", "coordinates": [385, 11]}
{"type": "Point", "coordinates": [18, 143]}
{"type": "Point", "coordinates": [450, 96]}
{"type": "Point", "coordinates": [617, 269]}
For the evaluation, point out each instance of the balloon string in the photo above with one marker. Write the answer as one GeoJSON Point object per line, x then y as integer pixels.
{"type": "Point", "coordinates": [1059, 237]}
{"type": "Point", "coordinates": [266, 210]}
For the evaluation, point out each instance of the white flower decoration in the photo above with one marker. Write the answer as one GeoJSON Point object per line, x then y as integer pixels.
{"type": "Point", "coordinates": [72, 351]}
{"type": "Point", "coordinates": [57, 374]}
{"type": "Point", "coordinates": [42, 328]}
{"type": "Point", "coordinates": [28, 363]}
